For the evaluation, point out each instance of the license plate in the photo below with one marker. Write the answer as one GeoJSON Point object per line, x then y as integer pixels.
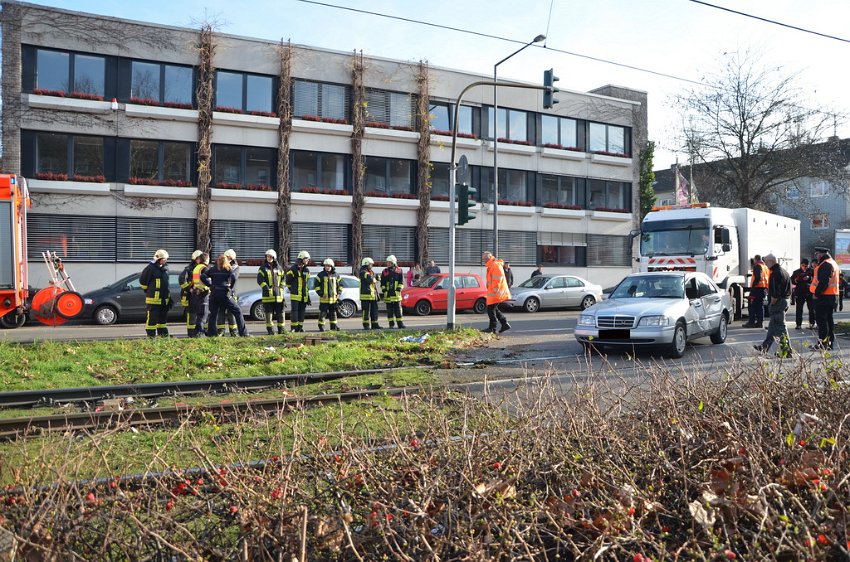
{"type": "Point", "coordinates": [614, 334]}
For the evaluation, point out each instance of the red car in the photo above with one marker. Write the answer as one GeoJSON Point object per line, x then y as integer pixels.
{"type": "Point", "coordinates": [431, 293]}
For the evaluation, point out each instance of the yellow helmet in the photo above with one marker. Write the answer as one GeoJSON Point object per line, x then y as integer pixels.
{"type": "Point", "coordinates": [303, 255]}
{"type": "Point", "coordinates": [329, 262]}
{"type": "Point", "coordinates": [367, 261]}
{"type": "Point", "coordinates": [160, 255]}
{"type": "Point", "coordinates": [392, 259]}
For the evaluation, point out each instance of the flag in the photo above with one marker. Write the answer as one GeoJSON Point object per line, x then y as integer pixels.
{"type": "Point", "coordinates": [681, 188]}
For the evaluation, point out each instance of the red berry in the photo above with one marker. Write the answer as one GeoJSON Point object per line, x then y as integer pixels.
{"type": "Point", "coordinates": [822, 539]}
{"type": "Point", "coordinates": [730, 554]}
{"type": "Point", "coordinates": [575, 493]}
{"type": "Point", "coordinates": [233, 509]}
{"type": "Point", "coordinates": [631, 512]}
{"type": "Point", "coordinates": [414, 442]}
{"type": "Point", "coordinates": [496, 465]}
{"type": "Point", "coordinates": [277, 493]}
{"type": "Point", "coordinates": [169, 506]}
{"type": "Point", "coordinates": [90, 497]}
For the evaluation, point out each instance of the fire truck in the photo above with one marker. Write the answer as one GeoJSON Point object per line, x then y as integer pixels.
{"type": "Point", "coordinates": [54, 305]}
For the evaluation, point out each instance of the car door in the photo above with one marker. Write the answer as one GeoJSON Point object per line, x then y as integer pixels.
{"type": "Point", "coordinates": [314, 296]}
{"type": "Point", "coordinates": [439, 294]}
{"type": "Point", "coordinates": [574, 292]}
{"type": "Point", "coordinates": [131, 298]}
{"type": "Point", "coordinates": [553, 293]}
{"type": "Point", "coordinates": [464, 292]}
{"type": "Point", "coordinates": [712, 302]}
{"type": "Point", "coordinates": [176, 311]}
{"type": "Point", "coordinates": [472, 288]}
{"type": "Point", "coordinates": [696, 317]}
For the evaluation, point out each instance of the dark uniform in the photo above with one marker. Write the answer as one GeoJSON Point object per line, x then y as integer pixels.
{"type": "Point", "coordinates": [392, 283]}
{"type": "Point", "coordinates": [369, 296]}
{"type": "Point", "coordinates": [802, 278]}
{"type": "Point", "coordinates": [154, 281]}
{"type": "Point", "coordinates": [221, 280]}
{"type": "Point", "coordinates": [185, 280]}
{"type": "Point", "coordinates": [825, 295]}
{"type": "Point", "coordinates": [226, 319]}
{"type": "Point", "coordinates": [270, 278]}
{"type": "Point", "coordinates": [328, 289]}
{"type": "Point", "coordinates": [299, 294]}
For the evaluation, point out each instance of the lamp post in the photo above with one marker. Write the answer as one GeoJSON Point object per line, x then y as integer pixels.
{"type": "Point", "coordinates": [537, 39]}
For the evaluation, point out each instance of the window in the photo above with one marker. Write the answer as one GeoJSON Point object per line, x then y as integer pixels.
{"type": "Point", "coordinates": [792, 192]}
{"type": "Point", "coordinates": [558, 191]}
{"type": "Point", "coordinates": [514, 246]}
{"type": "Point", "coordinates": [322, 240]}
{"type": "Point", "coordinates": [608, 251]}
{"type": "Point", "coordinates": [237, 92]}
{"type": "Point", "coordinates": [59, 157]}
{"type": "Point", "coordinates": [165, 84]}
{"type": "Point", "coordinates": [609, 195]}
{"type": "Point", "coordinates": [562, 248]}
{"type": "Point", "coordinates": [160, 163]}
{"type": "Point", "coordinates": [237, 167]}
{"type": "Point", "coordinates": [608, 139]}
{"type": "Point", "coordinates": [513, 186]}
{"type": "Point", "coordinates": [320, 102]}
{"type": "Point", "coordinates": [72, 237]}
{"type": "Point", "coordinates": [439, 181]}
{"type": "Point", "coordinates": [441, 116]}
{"type": "Point", "coordinates": [513, 125]}
{"type": "Point", "coordinates": [250, 239]}
{"type": "Point", "coordinates": [390, 109]}
{"type": "Point", "coordinates": [77, 74]}
{"type": "Point", "coordinates": [820, 220]}
{"type": "Point", "coordinates": [139, 237]}
{"type": "Point", "coordinates": [319, 172]}
{"type": "Point", "coordinates": [389, 176]}
{"type": "Point", "coordinates": [381, 241]}
{"type": "Point", "coordinates": [558, 132]}
{"type": "Point", "coordinates": [819, 189]}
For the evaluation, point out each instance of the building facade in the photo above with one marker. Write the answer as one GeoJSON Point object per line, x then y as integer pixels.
{"type": "Point", "coordinates": [137, 136]}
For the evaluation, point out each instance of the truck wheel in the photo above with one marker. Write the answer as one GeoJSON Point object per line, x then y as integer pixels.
{"type": "Point", "coordinates": [12, 320]}
{"type": "Point", "coordinates": [720, 335]}
{"type": "Point", "coordinates": [680, 341]}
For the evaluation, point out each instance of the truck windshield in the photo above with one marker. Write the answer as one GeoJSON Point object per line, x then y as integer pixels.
{"type": "Point", "coordinates": [675, 238]}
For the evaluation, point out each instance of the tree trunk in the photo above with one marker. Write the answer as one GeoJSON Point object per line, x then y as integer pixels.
{"type": "Point", "coordinates": [424, 154]}
{"type": "Point", "coordinates": [204, 97]}
{"type": "Point", "coordinates": [357, 164]}
{"type": "Point", "coordinates": [284, 111]}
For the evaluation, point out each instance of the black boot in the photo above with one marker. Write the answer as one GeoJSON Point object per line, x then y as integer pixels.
{"type": "Point", "coordinates": [270, 330]}
{"type": "Point", "coordinates": [490, 329]}
{"type": "Point", "coordinates": [401, 325]}
{"type": "Point", "coordinates": [321, 328]}
{"type": "Point", "coordinates": [505, 327]}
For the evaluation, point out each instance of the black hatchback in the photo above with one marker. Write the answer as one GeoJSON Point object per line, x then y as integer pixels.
{"type": "Point", "coordinates": [124, 301]}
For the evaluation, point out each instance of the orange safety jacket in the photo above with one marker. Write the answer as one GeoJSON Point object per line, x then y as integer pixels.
{"type": "Point", "coordinates": [763, 278]}
{"type": "Point", "coordinates": [497, 285]}
{"type": "Point", "coordinates": [832, 286]}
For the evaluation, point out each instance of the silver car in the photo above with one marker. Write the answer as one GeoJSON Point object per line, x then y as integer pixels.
{"type": "Point", "coordinates": [554, 291]}
{"type": "Point", "coordinates": [666, 309]}
{"type": "Point", "coordinates": [251, 302]}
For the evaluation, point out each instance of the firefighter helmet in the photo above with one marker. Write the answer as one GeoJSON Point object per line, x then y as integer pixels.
{"type": "Point", "coordinates": [392, 259]}
{"type": "Point", "coordinates": [329, 262]}
{"type": "Point", "coordinates": [271, 253]}
{"type": "Point", "coordinates": [367, 262]}
{"type": "Point", "coordinates": [160, 255]}
{"type": "Point", "coordinates": [196, 254]}
{"type": "Point", "coordinates": [230, 254]}
{"type": "Point", "coordinates": [303, 255]}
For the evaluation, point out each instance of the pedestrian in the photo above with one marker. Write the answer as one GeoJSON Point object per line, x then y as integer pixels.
{"type": "Point", "coordinates": [758, 288]}
{"type": "Point", "coordinates": [778, 293]}
{"type": "Point", "coordinates": [801, 279]}
{"type": "Point", "coordinates": [825, 290]}
{"type": "Point", "coordinates": [391, 287]}
{"type": "Point", "coordinates": [413, 275]}
{"type": "Point", "coordinates": [185, 280]}
{"type": "Point", "coordinates": [154, 282]}
{"type": "Point", "coordinates": [221, 279]}
{"type": "Point", "coordinates": [226, 320]}
{"type": "Point", "coordinates": [299, 293]}
{"type": "Point", "coordinates": [497, 292]}
{"type": "Point", "coordinates": [538, 271]}
{"type": "Point", "coordinates": [199, 296]}
{"type": "Point", "coordinates": [328, 289]}
{"type": "Point", "coordinates": [369, 295]}
{"type": "Point", "coordinates": [432, 268]}
{"type": "Point", "coordinates": [842, 290]}
{"type": "Point", "coordinates": [509, 274]}
{"type": "Point", "coordinates": [270, 278]}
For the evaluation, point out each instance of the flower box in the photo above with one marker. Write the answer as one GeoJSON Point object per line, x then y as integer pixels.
{"type": "Point", "coordinates": [449, 133]}
{"type": "Point", "coordinates": [390, 195]}
{"type": "Point", "coordinates": [225, 109]}
{"type": "Point", "coordinates": [516, 203]}
{"type": "Point", "coordinates": [503, 140]}
{"type": "Point", "coordinates": [46, 92]}
{"type": "Point", "coordinates": [382, 125]}
{"type": "Point", "coordinates": [607, 153]}
{"type": "Point", "coordinates": [323, 191]}
{"type": "Point", "coordinates": [611, 210]}
{"type": "Point", "coordinates": [163, 183]}
{"type": "Point", "coordinates": [611, 159]}
{"type": "Point", "coordinates": [156, 103]}
{"type": "Point", "coordinates": [318, 119]}
{"type": "Point", "coordinates": [51, 176]}
{"type": "Point", "coordinates": [89, 179]}
{"type": "Point", "coordinates": [85, 96]}
{"type": "Point", "coordinates": [439, 198]}
{"type": "Point", "coordinates": [562, 206]}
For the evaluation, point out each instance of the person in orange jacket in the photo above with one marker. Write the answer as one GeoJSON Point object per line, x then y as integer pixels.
{"type": "Point", "coordinates": [497, 292]}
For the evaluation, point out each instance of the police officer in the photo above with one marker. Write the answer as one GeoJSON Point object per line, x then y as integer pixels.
{"type": "Point", "coordinates": [199, 297]}
{"type": "Point", "coordinates": [221, 279]}
{"type": "Point", "coordinates": [185, 280]}
{"type": "Point", "coordinates": [328, 289]}
{"type": "Point", "coordinates": [369, 295]}
{"type": "Point", "coordinates": [270, 278]}
{"type": "Point", "coordinates": [825, 291]}
{"type": "Point", "coordinates": [801, 279]}
{"type": "Point", "coordinates": [154, 281]}
{"type": "Point", "coordinates": [299, 294]}
{"type": "Point", "coordinates": [226, 319]}
{"type": "Point", "coordinates": [392, 282]}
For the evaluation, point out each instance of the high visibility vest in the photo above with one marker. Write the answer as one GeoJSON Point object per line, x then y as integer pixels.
{"type": "Point", "coordinates": [813, 286]}
{"type": "Point", "coordinates": [196, 277]}
{"type": "Point", "coordinates": [497, 285]}
{"type": "Point", "coordinates": [763, 280]}
{"type": "Point", "coordinates": [832, 285]}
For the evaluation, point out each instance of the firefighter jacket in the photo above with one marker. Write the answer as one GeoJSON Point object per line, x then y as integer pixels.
{"type": "Point", "coordinates": [154, 282]}
{"type": "Point", "coordinates": [220, 281]}
{"type": "Point", "coordinates": [368, 284]}
{"type": "Point", "coordinates": [328, 287]}
{"type": "Point", "coordinates": [497, 285]}
{"type": "Point", "coordinates": [185, 281]}
{"type": "Point", "coordinates": [826, 278]}
{"type": "Point", "coordinates": [198, 284]}
{"type": "Point", "coordinates": [296, 281]}
{"type": "Point", "coordinates": [392, 282]}
{"type": "Point", "coordinates": [270, 279]}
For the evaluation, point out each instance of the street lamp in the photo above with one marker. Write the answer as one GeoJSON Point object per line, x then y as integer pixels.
{"type": "Point", "coordinates": [537, 39]}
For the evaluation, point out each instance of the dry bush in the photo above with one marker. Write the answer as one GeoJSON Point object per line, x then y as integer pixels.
{"type": "Point", "coordinates": [742, 461]}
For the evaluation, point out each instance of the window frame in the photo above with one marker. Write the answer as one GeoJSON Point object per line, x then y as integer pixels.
{"type": "Point", "coordinates": [319, 102]}
{"type": "Point", "coordinates": [390, 103]}
{"type": "Point", "coordinates": [627, 139]}
{"type": "Point", "coordinates": [317, 170]}
{"type": "Point", "coordinates": [162, 86]}
{"type": "Point", "coordinates": [243, 107]}
{"type": "Point", "coordinates": [462, 130]}
{"type": "Point", "coordinates": [243, 169]}
{"type": "Point", "coordinates": [528, 137]}
{"type": "Point", "coordinates": [559, 143]}
{"type": "Point", "coordinates": [71, 161]}
{"type": "Point", "coordinates": [70, 88]}
{"type": "Point", "coordinates": [388, 183]}
{"type": "Point", "coordinates": [161, 179]}
{"type": "Point", "coordinates": [819, 221]}
{"type": "Point", "coordinates": [608, 185]}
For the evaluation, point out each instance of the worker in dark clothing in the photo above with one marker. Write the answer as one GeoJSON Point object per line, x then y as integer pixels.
{"type": "Point", "coordinates": [758, 289]}
{"type": "Point", "coordinates": [328, 289]}
{"type": "Point", "coordinates": [801, 279]}
{"type": "Point", "coordinates": [221, 280]}
{"type": "Point", "coordinates": [270, 278]}
{"type": "Point", "coordinates": [199, 297]}
{"type": "Point", "coordinates": [185, 280]}
{"type": "Point", "coordinates": [778, 293]}
{"type": "Point", "coordinates": [825, 291]}
{"type": "Point", "coordinates": [538, 271]}
{"type": "Point", "coordinates": [299, 294]}
{"type": "Point", "coordinates": [226, 320]}
{"type": "Point", "coordinates": [842, 291]}
{"type": "Point", "coordinates": [509, 274]}
{"type": "Point", "coordinates": [369, 295]}
{"type": "Point", "coordinates": [392, 283]}
{"type": "Point", "coordinates": [154, 282]}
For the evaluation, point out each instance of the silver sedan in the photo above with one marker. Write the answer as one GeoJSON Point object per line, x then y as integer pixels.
{"type": "Point", "coordinates": [666, 309]}
{"type": "Point", "coordinates": [554, 291]}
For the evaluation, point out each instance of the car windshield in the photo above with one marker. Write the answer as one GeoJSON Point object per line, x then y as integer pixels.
{"type": "Point", "coordinates": [428, 281]}
{"type": "Point", "coordinates": [650, 287]}
{"type": "Point", "coordinates": [674, 238]}
{"type": "Point", "coordinates": [536, 282]}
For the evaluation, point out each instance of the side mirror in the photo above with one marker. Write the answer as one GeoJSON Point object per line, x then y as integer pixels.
{"type": "Point", "coordinates": [127, 288]}
{"type": "Point", "coordinates": [726, 247]}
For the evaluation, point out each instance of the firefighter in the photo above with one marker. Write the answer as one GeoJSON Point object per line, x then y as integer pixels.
{"type": "Point", "coordinates": [185, 280]}
{"type": "Point", "coordinates": [226, 319]}
{"type": "Point", "coordinates": [392, 282]}
{"type": "Point", "coordinates": [299, 293]}
{"type": "Point", "coordinates": [369, 295]}
{"type": "Point", "coordinates": [328, 289]}
{"type": "Point", "coordinates": [270, 279]}
{"type": "Point", "coordinates": [199, 296]}
{"type": "Point", "coordinates": [154, 282]}
{"type": "Point", "coordinates": [221, 279]}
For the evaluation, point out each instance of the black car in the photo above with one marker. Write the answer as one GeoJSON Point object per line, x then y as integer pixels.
{"type": "Point", "coordinates": [124, 301]}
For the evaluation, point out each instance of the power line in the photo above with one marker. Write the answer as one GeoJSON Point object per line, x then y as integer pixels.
{"type": "Point", "coordinates": [774, 22]}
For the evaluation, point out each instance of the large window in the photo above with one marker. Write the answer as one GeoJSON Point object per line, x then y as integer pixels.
{"type": "Point", "coordinates": [608, 251]}
{"type": "Point", "coordinates": [390, 177]}
{"type": "Point", "coordinates": [820, 221]}
{"type": "Point", "coordinates": [609, 195]}
{"type": "Point", "coordinates": [139, 237]}
{"type": "Point", "coordinates": [72, 237]}
{"type": "Point", "coordinates": [322, 240]}
{"type": "Point", "coordinates": [559, 192]}
{"type": "Point", "coordinates": [819, 189]}
{"type": "Point", "coordinates": [60, 157]}
{"type": "Point", "coordinates": [165, 84]}
{"type": "Point", "coordinates": [250, 239]}
{"type": "Point", "coordinates": [513, 187]}
{"type": "Point", "coordinates": [512, 125]}
{"type": "Point", "coordinates": [239, 167]}
{"type": "Point", "coordinates": [318, 101]}
{"type": "Point", "coordinates": [517, 247]}
{"type": "Point", "coordinates": [608, 139]}
{"type": "Point", "coordinates": [441, 117]}
{"type": "Point", "coordinates": [237, 92]}
{"type": "Point", "coordinates": [390, 109]}
{"type": "Point", "coordinates": [562, 248]}
{"type": "Point", "coordinates": [160, 163]}
{"type": "Point", "coordinates": [381, 241]}
{"type": "Point", "coordinates": [76, 74]}
{"type": "Point", "coordinates": [439, 181]}
{"type": "Point", "coordinates": [319, 172]}
{"type": "Point", "coordinates": [559, 132]}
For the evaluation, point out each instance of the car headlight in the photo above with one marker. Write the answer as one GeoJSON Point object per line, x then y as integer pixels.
{"type": "Point", "coordinates": [586, 320]}
{"type": "Point", "coordinates": [654, 321]}
{"type": "Point", "coordinates": [405, 297]}
{"type": "Point", "coordinates": [88, 301]}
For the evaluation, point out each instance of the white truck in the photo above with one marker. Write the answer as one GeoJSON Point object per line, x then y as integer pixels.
{"type": "Point", "coordinates": [718, 242]}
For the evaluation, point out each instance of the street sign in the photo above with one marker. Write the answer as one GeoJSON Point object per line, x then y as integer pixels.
{"type": "Point", "coordinates": [463, 170]}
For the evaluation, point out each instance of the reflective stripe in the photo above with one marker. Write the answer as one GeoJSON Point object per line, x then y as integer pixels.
{"type": "Point", "coordinates": [763, 280]}
{"type": "Point", "coordinates": [497, 286]}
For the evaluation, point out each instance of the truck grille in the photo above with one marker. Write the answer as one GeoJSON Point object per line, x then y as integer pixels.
{"type": "Point", "coordinates": [615, 321]}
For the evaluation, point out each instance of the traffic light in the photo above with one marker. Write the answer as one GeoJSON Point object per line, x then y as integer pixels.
{"type": "Point", "coordinates": [465, 201]}
{"type": "Point", "coordinates": [549, 88]}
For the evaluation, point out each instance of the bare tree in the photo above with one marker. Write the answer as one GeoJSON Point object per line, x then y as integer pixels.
{"type": "Point", "coordinates": [754, 133]}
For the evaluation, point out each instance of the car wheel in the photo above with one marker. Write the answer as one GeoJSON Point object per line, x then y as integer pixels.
{"type": "Point", "coordinates": [258, 312]}
{"type": "Point", "coordinates": [346, 309]}
{"type": "Point", "coordinates": [12, 320]}
{"type": "Point", "coordinates": [531, 304]}
{"type": "Point", "coordinates": [105, 315]}
{"type": "Point", "coordinates": [587, 302]}
{"type": "Point", "coordinates": [422, 308]}
{"type": "Point", "coordinates": [480, 306]}
{"type": "Point", "coordinates": [720, 335]}
{"type": "Point", "coordinates": [680, 341]}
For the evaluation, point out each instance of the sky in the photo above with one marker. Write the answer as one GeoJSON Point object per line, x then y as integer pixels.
{"type": "Point", "coordinates": [684, 39]}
